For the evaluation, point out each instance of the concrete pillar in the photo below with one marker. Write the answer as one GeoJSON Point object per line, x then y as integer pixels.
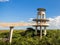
{"type": "Point", "coordinates": [40, 32]}
{"type": "Point", "coordinates": [11, 33]}
{"type": "Point", "coordinates": [40, 16]}
{"type": "Point", "coordinates": [45, 31]}
{"type": "Point", "coordinates": [36, 30]}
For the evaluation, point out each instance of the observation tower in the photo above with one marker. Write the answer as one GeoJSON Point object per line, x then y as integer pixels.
{"type": "Point", "coordinates": [41, 21]}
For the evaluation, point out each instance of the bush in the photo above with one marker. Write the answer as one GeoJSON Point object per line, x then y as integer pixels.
{"type": "Point", "coordinates": [28, 38]}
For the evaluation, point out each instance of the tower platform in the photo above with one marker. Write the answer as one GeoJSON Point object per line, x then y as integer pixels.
{"type": "Point", "coordinates": [41, 24]}
{"type": "Point", "coordinates": [44, 20]}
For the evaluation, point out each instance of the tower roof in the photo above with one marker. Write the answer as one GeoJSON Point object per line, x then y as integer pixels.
{"type": "Point", "coordinates": [41, 9]}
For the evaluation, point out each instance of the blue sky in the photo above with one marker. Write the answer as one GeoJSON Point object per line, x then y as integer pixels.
{"type": "Point", "coordinates": [23, 10]}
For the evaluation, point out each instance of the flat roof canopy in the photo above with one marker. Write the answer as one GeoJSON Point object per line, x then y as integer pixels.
{"type": "Point", "coordinates": [15, 24]}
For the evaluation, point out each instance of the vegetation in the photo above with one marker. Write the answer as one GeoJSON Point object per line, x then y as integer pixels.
{"type": "Point", "coordinates": [27, 37]}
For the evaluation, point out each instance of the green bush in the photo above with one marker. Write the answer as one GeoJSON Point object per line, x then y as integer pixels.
{"type": "Point", "coordinates": [28, 38]}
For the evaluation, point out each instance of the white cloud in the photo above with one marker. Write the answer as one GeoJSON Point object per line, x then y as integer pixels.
{"type": "Point", "coordinates": [4, 0]}
{"type": "Point", "coordinates": [30, 19]}
{"type": "Point", "coordinates": [54, 23]}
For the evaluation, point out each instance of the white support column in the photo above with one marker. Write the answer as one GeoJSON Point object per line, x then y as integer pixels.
{"type": "Point", "coordinates": [40, 16]}
{"type": "Point", "coordinates": [11, 33]}
{"type": "Point", "coordinates": [36, 31]}
{"type": "Point", "coordinates": [44, 16]}
{"type": "Point", "coordinates": [40, 32]}
{"type": "Point", "coordinates": [45, 31]}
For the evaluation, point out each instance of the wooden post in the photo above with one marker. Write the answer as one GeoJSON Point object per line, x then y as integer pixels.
{"type": "Point", "coordinates": [40, 32]}
{"type": "Point", "coordinates": [44, 31]}
{"type": "Point", "coordinates": [11, 33]}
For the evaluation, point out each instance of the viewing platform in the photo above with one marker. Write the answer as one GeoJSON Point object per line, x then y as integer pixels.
{"type": "Point", "coordinates": [38, 25]}
{"type": "Point", "coordinates": [40, 20]}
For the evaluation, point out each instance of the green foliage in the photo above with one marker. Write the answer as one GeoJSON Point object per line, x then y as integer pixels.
{"type": "Point", "coordinates": [27, 37]}
{"type": "Point", "coordinates": [4, 34]}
